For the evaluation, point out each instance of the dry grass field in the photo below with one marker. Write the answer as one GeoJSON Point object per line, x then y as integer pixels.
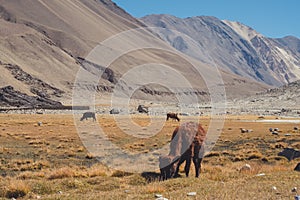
{"type": "Point", "coordinates": [48, 161]}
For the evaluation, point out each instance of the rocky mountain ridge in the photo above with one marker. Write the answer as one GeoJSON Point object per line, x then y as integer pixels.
{"type": "Point", "coordinates": [232, 46]}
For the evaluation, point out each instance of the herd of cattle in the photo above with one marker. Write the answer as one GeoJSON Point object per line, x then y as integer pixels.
{"type": "Point", "coordinates": [187, 145]}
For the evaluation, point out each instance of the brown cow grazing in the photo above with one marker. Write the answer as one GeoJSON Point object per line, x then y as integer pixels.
{"type": "Point", "coordinates": [87, 115]}
{"type": "Point", "coordinates": [173, 116]}
{"type": "Point", "coordinates": [187, 140]}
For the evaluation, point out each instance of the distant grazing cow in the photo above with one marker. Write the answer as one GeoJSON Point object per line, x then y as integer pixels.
{"type": "Point", "coordinates": [290, 153]}
{"type": "Point", "coordinates": [246, 130]}
{"type": "Point", "coordinates": [142, 109]}
{"type": "Point", "coordinates": [114, 111]}
{"type": "Point", "coordinates": [271, 130]}
{"type": "Point", "coordinates": [87, 115]}
{"type": "Point", "coordinates": [173, 116]}
{"type": "Point", "coordinates": [187, 140]}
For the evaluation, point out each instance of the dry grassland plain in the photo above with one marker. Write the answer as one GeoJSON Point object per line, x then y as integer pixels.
{"type": "Point", "coordinates": [49, 161]}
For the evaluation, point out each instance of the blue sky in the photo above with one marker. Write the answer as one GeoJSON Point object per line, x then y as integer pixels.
{"type": "Point", "coordinates": [272, 18]}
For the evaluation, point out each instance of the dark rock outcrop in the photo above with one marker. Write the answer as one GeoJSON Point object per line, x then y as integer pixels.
{"type": "Point", "coordinates": [37, 86]}
{"type": "Point", "coordinates": [12, 98]}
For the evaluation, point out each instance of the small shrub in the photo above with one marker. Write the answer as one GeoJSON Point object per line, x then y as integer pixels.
{"type": "Point", "coordinates": [152, 189]}
{"type": "Point", "coordinates": [80, 149]}
{"type": "Point", "coordinates": [255, 155]}
{"type": "Point", "coordinates": [30, 175]}
{"type": "Point", "coordinates": [17, 189]}
{"type": "Point", "coordinates": [61, 173]}
{"type": "Point", "coordinates": [97, 171]}
{"type": "Point", "coordinates": [74, 183]}
{"type": "Point", "coordinates": [108, 185]}
{"type": "Point", "coordinates": [43, 188]}
{"type": "Point", "coordinates": [119, 173]}
{"type": "Point", "coordinates": [137, 180]}
{"type": "Point", "coordinates": [296, 145]}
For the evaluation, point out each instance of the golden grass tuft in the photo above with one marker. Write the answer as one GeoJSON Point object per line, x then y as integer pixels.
{"type": "Point", "coordinates": [98, 170]}
{"type": "Point", "coordinates": [43, 187]}
{"type": "Point", "coordinates": [61, 173]}
{"type": "Point", "coordinates": [119, 173]}
{"type": "Point", "coordinates": [154, 188]}
{"type": "Point", "coordinates": [17, 189]}
{"type": "Point", "coordinates": [136, 180]}
{"type": "Point", "coordinates": [30, 175]}
{"type": "Point", "coordinates": [74, 183]}
{"type": "Point", "coordinates": [296, 145]}
{"type": "Point", "coordinates": [254, 155]}
{"type": "Point", "coordinates": [80, 149]}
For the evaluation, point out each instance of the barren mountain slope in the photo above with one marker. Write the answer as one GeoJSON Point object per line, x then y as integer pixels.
{"type": "Point", "coordinates": [44, 43]}
{"type": "Point", "coordinates": [281, 56]}
{"type": "Point", "coordinates": [231, 46]}
{"type": "Point", "coordinates": [44, 39]}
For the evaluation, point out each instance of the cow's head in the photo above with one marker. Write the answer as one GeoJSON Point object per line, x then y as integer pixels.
{"type": "Point", "coordinates": [167, 165]}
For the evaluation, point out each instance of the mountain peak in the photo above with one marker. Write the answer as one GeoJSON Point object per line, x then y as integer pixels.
{"type": "Point", "coordinates": [233, 47]}
{"type": "Point", "coordinates": [243, 30]}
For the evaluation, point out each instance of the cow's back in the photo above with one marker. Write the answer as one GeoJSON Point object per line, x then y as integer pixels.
{"type": "Point", "coordinates": [186, 138]}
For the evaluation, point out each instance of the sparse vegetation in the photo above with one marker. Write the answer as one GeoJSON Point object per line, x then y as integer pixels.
{"type": "Point", "coordinates": [33, 166]}
{"type": "Point", "coordinates": [16, 189]}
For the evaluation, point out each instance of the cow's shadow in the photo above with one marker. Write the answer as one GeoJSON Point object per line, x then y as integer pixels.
{"type": "Point", "coordinates": [153, 176]}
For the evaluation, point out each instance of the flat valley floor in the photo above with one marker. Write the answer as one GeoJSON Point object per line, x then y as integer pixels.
{"type": "Point", "coordinates": [43, 157]}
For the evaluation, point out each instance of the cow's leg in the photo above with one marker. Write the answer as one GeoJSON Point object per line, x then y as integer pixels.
{"type": "Point", "coordinates": [197, 163]}
{"type": "Point", "coordinates": [181, 160]}
{"type": "Point", "coordinates": [197, 159]}
{"type": "Point", "coordinates": [187, 166]}
{"type": "Point", "coordinates": [161, 175]}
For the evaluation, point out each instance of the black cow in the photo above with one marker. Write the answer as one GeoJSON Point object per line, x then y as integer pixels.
{"type": "Point", "coordinates": [143, 109]}
{"type": "Point", "coordinates": [173, 116]}
{"type": "Point", "coordinates": [87, 115]}
{"type": "Point", "coordinates": [290, 153]}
